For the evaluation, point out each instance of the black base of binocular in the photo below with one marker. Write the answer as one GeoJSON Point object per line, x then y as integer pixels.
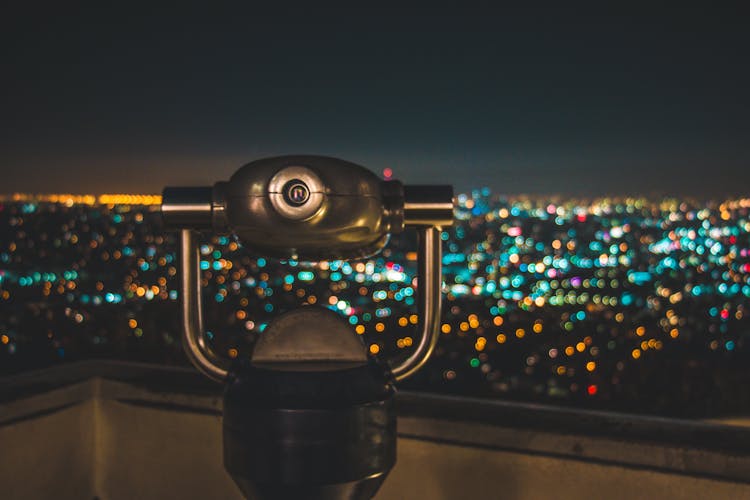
{"type": "Point", "coordinates": [309, 435]}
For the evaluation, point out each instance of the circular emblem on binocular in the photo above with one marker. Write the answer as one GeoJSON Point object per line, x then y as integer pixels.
{"type": "Point", "coordinates": [296, 192]}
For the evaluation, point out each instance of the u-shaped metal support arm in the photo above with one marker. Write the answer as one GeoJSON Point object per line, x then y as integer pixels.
{"type": "Point", "coordinates": [216, 367]}
{"type": "Point", "coordinates": [429, 294]}
{"type": "Point", "coordinates": [194, 342]}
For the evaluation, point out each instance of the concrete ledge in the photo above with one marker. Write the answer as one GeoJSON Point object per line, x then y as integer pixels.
{"type": "Point", "coordinates": [120, 430]}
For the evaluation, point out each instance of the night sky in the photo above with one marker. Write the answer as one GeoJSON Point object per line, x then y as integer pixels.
{"type": "Point", "coordinates": [96, 99]}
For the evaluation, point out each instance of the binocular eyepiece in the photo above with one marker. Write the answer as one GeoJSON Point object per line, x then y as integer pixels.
{"type": "Point", "coordinates": [310, 414]}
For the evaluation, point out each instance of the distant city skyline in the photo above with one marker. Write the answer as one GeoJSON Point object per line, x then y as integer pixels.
{"type": "Point", "coordinates": [595, 102]}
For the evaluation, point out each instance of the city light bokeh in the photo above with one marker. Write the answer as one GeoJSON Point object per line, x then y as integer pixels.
{"type": "Point", "coordinates": [632, 304]}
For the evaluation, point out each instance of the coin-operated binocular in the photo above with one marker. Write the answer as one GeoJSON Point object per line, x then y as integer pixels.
{"type": "Point", "coordinates": [310, 414]}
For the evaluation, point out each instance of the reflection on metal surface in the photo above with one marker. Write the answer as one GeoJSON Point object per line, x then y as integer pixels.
{"type": "Point", "coordinates": [428, 205]}
{"type": "Point", "coordinates": [197, 349]}
{"type": "Point", "coordinates": [429, 290]}
{"type": "Point", "coordinates": [307, 338]}
{"type": "Point", "coordinates": [345, 216]}
{"type": "Point", "coordinates": [296, 192]}
{"type": "Point", "coordinates": [187, 207]}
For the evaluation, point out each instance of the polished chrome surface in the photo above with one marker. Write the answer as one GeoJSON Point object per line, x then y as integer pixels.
{"type": "Point", "coordinates": [290, 178]}
{"type": "Point", "coordinates": [309, 338]}
{"type": "Point", "coordinates": [352, 221]}
{"type": "Point", "coordinates": [429, 288]}
{"type": "Point", "coordinates": [393, 206]}
{"type": "Point", "coordinates": [219, 222]}
{"type": "Point", "coordinates": [194, 342]}
{"type": "Point", "coordinates": [187, 207]}
{"type": "Point", "coordinates": [428, 205]}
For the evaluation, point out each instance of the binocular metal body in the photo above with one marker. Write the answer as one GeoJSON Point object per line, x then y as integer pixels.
{"type": "Point", "coordinates": [310, 414]}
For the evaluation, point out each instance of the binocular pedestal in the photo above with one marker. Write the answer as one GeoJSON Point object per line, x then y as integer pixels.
{"type": "Point", "coordinates": [310, 415]}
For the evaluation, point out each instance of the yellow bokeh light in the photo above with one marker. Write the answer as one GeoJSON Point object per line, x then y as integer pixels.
{"type": "Point", "coordinates": [118, 199]}
{"type": "Point", "coordinates": [480, 344]}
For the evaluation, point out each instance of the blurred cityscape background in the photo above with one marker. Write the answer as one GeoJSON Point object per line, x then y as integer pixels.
{"type": "Point", "coordinates": [629, 304]}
